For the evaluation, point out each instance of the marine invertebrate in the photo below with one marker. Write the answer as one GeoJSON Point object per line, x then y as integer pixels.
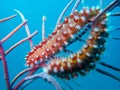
{"type": "Point", "coordinates": [85, 59]}
{"type": "Point", "coordinates": [29, 74]}
{"type": "Point", "coordinates": [67, 32]}
{"type": "Point", "coordinates": [3, 54]}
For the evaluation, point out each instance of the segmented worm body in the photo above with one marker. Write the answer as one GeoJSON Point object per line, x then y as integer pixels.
{"type": "Point", "coordinates": [70, 30]}
{"type": "Point", "coordinates": [85, 59]}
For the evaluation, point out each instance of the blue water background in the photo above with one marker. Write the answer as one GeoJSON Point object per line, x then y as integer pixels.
{"type": "Point", "coordinates": [33, 11]}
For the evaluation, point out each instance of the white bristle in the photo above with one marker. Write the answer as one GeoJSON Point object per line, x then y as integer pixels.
{"type": "Point", "coordinates": [78, 60]}
{"type": "Point", "coordinates": [64, 32]}
{"type": "Point", "coordinates": [53, 52]}
{"type": "Point", "coordinates": [55, 70]}
{"type": "Point", "coordinates": [58, 39]}
{"type": "Point", "coordinates": [47, 49]}
{"type": "Point", "coordinates": [78, 27]}
{"type": "Point", "coordinates": [45, 69]}
{"type": "Point", "coordinates": [49, 67]}
{"type": "Point", "coordinates": [96, 29]}
{"type": "Point", "coordinates": [31, 65]}
{"type": "Point", "coordinates": [36, 62]}
{"type": "Point", "coordinates": [60, 48]}
{"type": "Point", "coordinates": [27, 61]}
{"type": "Point", "coordinates": [83, 18]}
{"type": "Point", "coordinates": [81, 11]}
{"type": "Point", "coordinates": [76, 17]}
{"type": "Point", "coordinates": [90, 37]}
{"type": "Point", "coordinates": [52, 63]}
{"type": "Point", "coordinates": [85, 46]}
{"type": "Point", "coordinates": [61, 69]}
{"type": "Point", "coordinates": [72, 36]}
{"type": "Point", "coordinates": [103, 22]}
{"type": "Point", "coordinates": [95, 46]}
{"type": "Point", "coordinates": [79, 52]}
{"type": "Point", "coordinates": [69, 65]}
{"type": "Point", "coordinates": [43, 53]}
{"type": "Point", "coordinates": [55, 45]}
{"type": "Point", "coordinates": [87, 11]}
{"type": "Point", "coordinates": [63, 60]}
{"type": "Point", "coordinates": [27, 55]}
{"type": "Point", "coordinates": [71, 25]}
{"type": "Point", "coordinates": [46, 56]}
{"type": "Point", "coordinates": [34, 48]}
{"type": "Point", "coordinates": [32, 59]}
{"type": "Point", "coordinates": [57, 62]}
{"type": "Point", "coordinates": [71, 55]}
{"type": "Point", "coordinates": [59, 25]}
{"type": "Point", "coordinates": [36, 56]}
{"type": "Point", "coordinates": [88, 54]}
{"type": "Point", "coordinates": [66, 43]}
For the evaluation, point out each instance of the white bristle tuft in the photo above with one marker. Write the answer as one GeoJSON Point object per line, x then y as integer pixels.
{"type": "Point", "coordinates": [36, 56]}
{"type": "Point", "coordinates": [31, 65]}
{"type": "Point", "coordinates": [53, 52]}
{"type": "Point", "coordinates": [60, 48]}
{"type": "Point", "coordinates": [76, 17]}
{"type": "Point", "coordinates": [90, 37]}
{"type": "Point", "coordinates": [96, 29]}
{"type": "Point", "coordinates": [95, 46]}
{"type": "Point", "coordinates": [81, 11]}
{"type": "Point", "coordinates": [69, 65]}
{"type": "Point", "coordinates": [88, 54]}
{"type": "Point", "coordinates": [78, 27]}
{"type": "Point", "coordinates": [83, 18]}
{"type": "Point", "coordinates": [66, 43]}
{"type": "Point", "coordinates": [85, 46]}
{"type": "Point", "coordinates": [71, 25]}
{"type": "Point", "coordinates": [49, 67]}
{"type": "Point", "coordinates": [36, 62]}
{"type": "Point", "coordinates": [72, 36]}
{"type": "Point", "coordinates": [45, 69]}
{"type": "Point", "coordinates": [78, 60]}
{"type": "Point", "coordinates": [32, 59]}
{"type": "Point", "coordinates": [61, 69]}
{"type": "Point", "coordinates": [55, 70]}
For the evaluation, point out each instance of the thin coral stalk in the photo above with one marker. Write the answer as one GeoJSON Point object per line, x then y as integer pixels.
{"type": "Point", "coordinates": [43, 27]}
{"type": "Point", "coordinates": [26, 26]}
{"type": "Point", "coordinates": [20, 42]}
{"type": "Point", "coordinates": [30, 71]}
{"type": "Point", "coordinates": [23, 80]}
{"type": "Point", "coordinates": [8, 18]}
{"type": "Point", "coordinates": [6, 74]}
{"type": "Point", "coordinates": [109, 7]}
{"type": "Point", "coordinates": [26, 71]}
{"type": "Point", "coordinates": [15, 30]}
{"type": "Point", "coordinates": [44, 76]}
{"type": "Point", "coordinates": [63, 12]}
{"type": "Point", "coordinates": [75, 6]}
{"type": "Point", "coordinates": [18, 75]}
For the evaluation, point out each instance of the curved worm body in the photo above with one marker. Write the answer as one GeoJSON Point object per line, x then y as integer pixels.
{"type": "Point", "coordinates": [65, 33]}
{"type": "Point", "coordinates": [84, 60]}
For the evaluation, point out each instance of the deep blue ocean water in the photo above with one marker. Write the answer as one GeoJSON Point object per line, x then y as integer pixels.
{"type": "Point", "coordinates": [33, 11]}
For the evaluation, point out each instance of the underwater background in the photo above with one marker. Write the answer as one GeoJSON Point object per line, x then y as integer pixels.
{"type": "Point", "coordinates": [33, 11]}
